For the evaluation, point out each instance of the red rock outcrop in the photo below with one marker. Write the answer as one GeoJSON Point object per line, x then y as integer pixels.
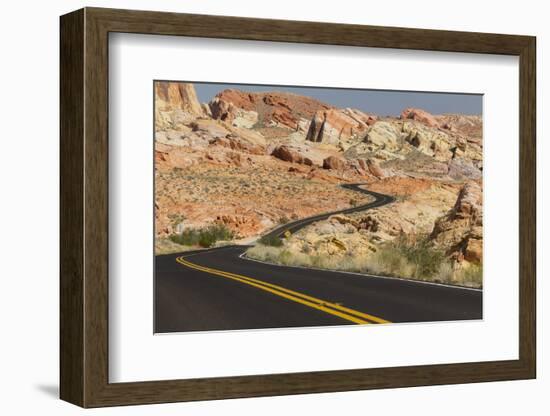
{"type": "Point", "coordinates": [237, 143]}
{"type": "Point", "coordinates": [246, 224]}
{"type": "Point", "coordinates": [222, 110]}
{"type": "Point", "coordinates": [288, 154]}
{"type": "Point", "coordinates": [279, 108]}
{"type": "Point", "coordinates": [331, 126]}
{"type": "Point", "coordinates": [468, 126]}
{"type": "Point", "coordinates": [420, 115]}
{"type": "Point", "coordinates": [399, 186]}
{"type": "Point", "coordinates": [333, 162]}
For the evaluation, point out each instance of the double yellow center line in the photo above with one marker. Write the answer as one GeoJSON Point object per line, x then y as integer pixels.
{"type": "Point", "coordinates": [315, 303]}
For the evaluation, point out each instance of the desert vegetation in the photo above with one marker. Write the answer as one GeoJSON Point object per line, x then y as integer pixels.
{"type": "Point", "coordinates": [271, 241]}
{"type": "Point", "coordinates": [203, 237]}
{"type": "Point", "coordinates": [408, 258]}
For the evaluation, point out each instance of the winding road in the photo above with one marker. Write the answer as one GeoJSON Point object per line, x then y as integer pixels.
{"type": "Point", "coordinates": [219, 289]}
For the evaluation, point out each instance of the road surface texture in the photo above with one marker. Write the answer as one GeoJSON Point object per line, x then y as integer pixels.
{"type": "Point", "coordinates": [219, 289]}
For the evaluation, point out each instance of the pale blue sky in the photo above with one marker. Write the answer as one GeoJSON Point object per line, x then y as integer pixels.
{"type": "Point", "coordinates": [380, 102]}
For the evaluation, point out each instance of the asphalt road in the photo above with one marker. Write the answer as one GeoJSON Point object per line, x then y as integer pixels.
{"type": "Point", "coordinates": [217, 289]}
{"type": "Point", "coordinates": [380, 199]}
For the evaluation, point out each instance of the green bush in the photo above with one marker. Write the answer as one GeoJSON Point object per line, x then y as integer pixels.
{"type": "Point", "coordinates": [424, 256]}
{"type": "Point", "coordinates": [271, 240]}
{"type": "Point", "coordinates": [414, 257]}
{"type": "Point", "coordinates": [188, 237]}
{"type": "Point", "coordinates": [204, 237]}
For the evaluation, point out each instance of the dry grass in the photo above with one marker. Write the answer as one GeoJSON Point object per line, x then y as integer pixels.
{"type": "Point", "coordinates": [166, 246]}
{"type": "Point", "coordinates": [411, 260]}
{"type": "Point", "coordinates": [283, 256]}
{"type": "Point", "coordinates": [471, 276]}
{"type": "Point", "coordinates": [412, 257]}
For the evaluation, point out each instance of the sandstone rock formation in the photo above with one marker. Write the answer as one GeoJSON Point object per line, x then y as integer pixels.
{"type": "Point", "coordinates": [290, 154]}
{"type": "Point", "coordinates": [420, 115]}
{"type": "Point", "coordinates": [460, 231]}
{"type": "Point", "coordinates": [360, 234]}
{"type": "Point", "coordinates": [273, 108]}
{"type": "Point", "coordinates": [172, 96]}
{"type": "Point", "coordinates": [175, 105]}
{"type": "Point", "coordinates": [375, 169]}
{"type": "Point", "coordinates": [470, 127]}
{"type": "Point", "coordinates": [334, 125]}
{"type": "Point", "coordinates": [333, 162]}
{"type": "Point", "coordinates": [384, 135]}
{"type": "Point", "coordinates": [336, 237]}
{"type": "Point", "coordinates": [227, 111]}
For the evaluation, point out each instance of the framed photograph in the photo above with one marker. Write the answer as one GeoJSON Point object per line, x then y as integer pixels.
{"type": "Point", "coordinates": [256, 207]}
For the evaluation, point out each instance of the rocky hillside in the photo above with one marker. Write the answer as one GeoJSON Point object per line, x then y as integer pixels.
{"type": "Point", "coordinates": [460, 231]}
{"type": "Point", "coordinates": [250, 161]}
{"type": "Point", "coordinates": [229, 162]}
{"type": "Point", "coordinates": [265, 109]}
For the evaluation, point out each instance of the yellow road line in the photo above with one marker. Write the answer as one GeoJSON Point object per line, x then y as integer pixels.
{"type": "Point", "coordinates": [291, 292]}
{"type": "Point", "coordinates": [328, 307]}
{"type": "Point", "coordinates": [246, 280]}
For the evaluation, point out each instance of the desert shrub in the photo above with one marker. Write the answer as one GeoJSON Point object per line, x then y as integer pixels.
{"type": "Point", "coordinates": [283, 219]}
{"type": "Point", "coordinates": [322, 262]}
{"type": "Point", "coordinates": [213, 233]}
{"type": "Point", "coordinates": [264, 253]}
{"type": "Point", "coordinates": [204, 237]}
{"type": "Point", "coordinates": [426, 258]}
{"type": "Point", "coordinates": [271, 240]}
{"type": "Point", "coordinates": [417, 258]}
{"type": "Point", "coordinates": [389, 260]}
{"type": "Point", "coordinates": [446, 273]}
{"type": "Point", "coordinates": [471, 276]}
{"type": "Point", "coordinates": [278, 255]}
{"type": "Point", "coordinates": [189, 237]}
{"type": "Point", "coordinates": [413, 257]}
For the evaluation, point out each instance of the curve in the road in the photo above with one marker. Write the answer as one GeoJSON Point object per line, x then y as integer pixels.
{"type": "Point", "coordinates": [380, 200]}
{"type": "Point", "coordinates": [292, 295]}
{"type": "Point", "coordinates": [283, 296]}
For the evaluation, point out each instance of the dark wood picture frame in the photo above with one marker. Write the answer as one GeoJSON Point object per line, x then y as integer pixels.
{"type": "Point", "coordinates": [84, 207]}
